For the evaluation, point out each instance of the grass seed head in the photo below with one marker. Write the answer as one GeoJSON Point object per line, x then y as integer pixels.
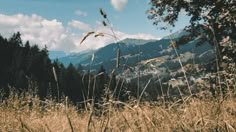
{"type": "Point", "coordinates": [99, 34]}
{"type": "Point", "coordinates": [104, 23]}
{"type": "Point", "coordinates": [84, 38]}
{"type": "Point", "coordinates": [103, 13]}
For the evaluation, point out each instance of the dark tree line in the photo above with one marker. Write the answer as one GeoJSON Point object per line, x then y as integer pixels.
{"type": "Point", "coordinates": [29, 69]}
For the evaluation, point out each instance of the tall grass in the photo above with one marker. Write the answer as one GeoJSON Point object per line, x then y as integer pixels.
{"type": "Point", "coordinates": [194, 114]}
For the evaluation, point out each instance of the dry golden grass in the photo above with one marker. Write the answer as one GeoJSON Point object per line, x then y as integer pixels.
{"type": "Point", "coordinates": [192, 115]}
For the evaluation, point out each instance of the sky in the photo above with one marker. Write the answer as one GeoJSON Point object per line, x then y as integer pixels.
{"type": "Point", "coordinates": [61, 24]}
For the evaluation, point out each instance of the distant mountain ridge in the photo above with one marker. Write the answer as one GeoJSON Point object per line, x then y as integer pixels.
{"type": "Point", "coordinates": [84, 57]}
{"type": "Point", "coordinates": [76, 58]}
{"type": "Point", "coordinates": [136, 41]}
{"type": "Point", "coordinates": [176, 35]}
{"type": "Point", "coordinates": [135, 51]}
{"type": "Point", "coordinates": [56, 54]}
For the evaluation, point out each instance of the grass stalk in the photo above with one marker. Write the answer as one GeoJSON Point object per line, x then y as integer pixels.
{"type": "Point", "coordinates": [217, 55]}
{"type": "Point", "coordinates": [70, 123]}
{"type": "Point", "coordinates": [127, 123]}
{"type": "Point", "coordinates": [24, 125]}
{"type": "Point", "coordinates": [56, 79]}
{"type": "Point", "coordinates": [183, 70]}
{"type": "Point", "coordinates": [162, 93]}
{"type": "Point", "coordinates": [89, 120]}
{"type": "Point", "coordinates": [143, 92]}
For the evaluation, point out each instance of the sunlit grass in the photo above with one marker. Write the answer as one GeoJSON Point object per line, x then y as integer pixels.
{"type": "Point", "coordinates": [191, 114]}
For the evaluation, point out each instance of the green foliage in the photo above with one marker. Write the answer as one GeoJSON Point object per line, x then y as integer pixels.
{"type": "Point", "coordinates": [211, 20]}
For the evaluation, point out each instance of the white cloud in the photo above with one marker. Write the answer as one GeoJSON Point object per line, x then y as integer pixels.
{"type": "Point", "coordinates": [37, 30]}
{"type": "Point", "coordinates": [80, 25]}
{"type": "Point", "coordinates": [81, 13]}
{"type": "Point", "coordinates": [119, 4]}
{"type": "Point", "coordinates": [139, 36]}
{"type": "Point", "coordinates": [52, 33]}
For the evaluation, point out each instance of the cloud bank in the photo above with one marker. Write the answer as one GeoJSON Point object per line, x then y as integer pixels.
{"type": "Point", "coordinates": [41, 31]}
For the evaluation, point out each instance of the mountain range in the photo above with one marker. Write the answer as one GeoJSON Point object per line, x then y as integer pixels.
{"type": "Point", "coordinates": [145, 57]}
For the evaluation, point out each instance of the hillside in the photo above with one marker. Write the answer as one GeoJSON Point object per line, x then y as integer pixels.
{"type": "Point", "coordinates": [134, 52]}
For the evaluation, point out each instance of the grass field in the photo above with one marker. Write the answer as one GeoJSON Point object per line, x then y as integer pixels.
{"type": "Point", "coordinates": [187, 114]}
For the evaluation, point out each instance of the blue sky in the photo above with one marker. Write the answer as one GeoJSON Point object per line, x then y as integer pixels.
{"type": "Point", "coordinates": [60, 24]}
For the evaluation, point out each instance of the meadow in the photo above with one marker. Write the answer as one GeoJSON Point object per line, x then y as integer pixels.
{"type": "Point", "coordinates": [191, 113]}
